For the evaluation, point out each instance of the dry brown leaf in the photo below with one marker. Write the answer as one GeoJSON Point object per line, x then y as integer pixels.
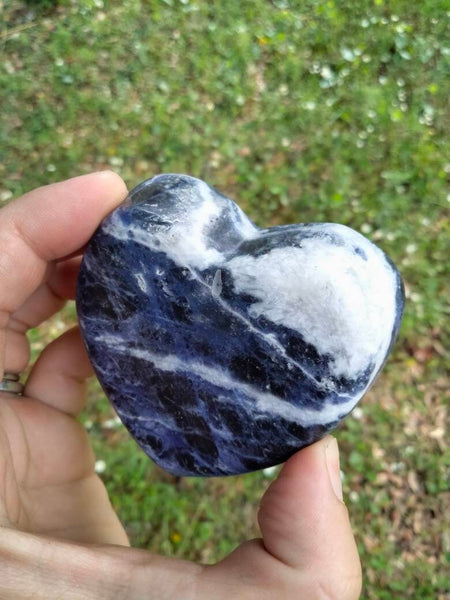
{"type": "Point", "coordinates": [418, 521]}
{"type": "Point", "coordinates": [413, 481]}
{"type": "Point", "coordinates": [370, 542]}
{"type": "Point", "coordinates": [437, 434]}
{"type": "Point", "coordinates": [382, 478]}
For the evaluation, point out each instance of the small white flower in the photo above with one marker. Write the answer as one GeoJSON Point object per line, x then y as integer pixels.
{"type": "Point", "coordinates": [9, 67]}
{"type": "Point", "coordinates": [411, 248]}
{"type": "Point", "coordinates": [269, 471]}
{"type": "Point", "coordinates": [366, 228]}
{"type": "Point", "coordinates": [353, 496]}
{"type": "Point", "coordinates": [397, 466]}
{"type": "Point", "coordinates": [357, 413]}
{"type": "Point", "coordinates": [347, 54]}
{"type": "Point", "coordinates": [326, 72]}
{"type": "Point", "coordinates": [100, 466]}
{"type": "Point", "coordinates": [5, 195]}
{"type": "Point", "coordinates": [112, 423]}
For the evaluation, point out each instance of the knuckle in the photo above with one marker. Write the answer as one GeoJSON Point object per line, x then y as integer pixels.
{"type": "Point", "coordinates": [348, 588]}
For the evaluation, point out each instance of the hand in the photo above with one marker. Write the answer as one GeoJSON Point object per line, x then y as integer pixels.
{"type": "Point", "coordinates": [59, 536]}
{"type": "Point", "coordinates": [47, 480]}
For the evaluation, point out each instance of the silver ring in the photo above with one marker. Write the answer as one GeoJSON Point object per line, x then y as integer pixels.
{"type": "Point", "coordinates": [11, 384]}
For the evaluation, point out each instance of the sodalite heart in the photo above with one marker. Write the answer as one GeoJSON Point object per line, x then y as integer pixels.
{"type": "Point", "coordinates": [224, 347]}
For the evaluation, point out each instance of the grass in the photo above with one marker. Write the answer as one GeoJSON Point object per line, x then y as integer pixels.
{"type": "Point", "coordinates": [301, 111]}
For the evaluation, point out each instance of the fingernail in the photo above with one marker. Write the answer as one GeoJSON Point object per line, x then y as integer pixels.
{"type": "Point", "coordinates": [333, 466]}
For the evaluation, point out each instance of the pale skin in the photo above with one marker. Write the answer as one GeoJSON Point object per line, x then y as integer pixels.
{"type": "Point", "coordinates": [59, 535]}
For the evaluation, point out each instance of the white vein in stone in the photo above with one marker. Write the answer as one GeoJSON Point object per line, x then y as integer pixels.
{"type": "Point", "coordinates": [347, 321]}
{"type": "Point", "coordinates": [338, 302]}
{"type": "Point", "coordinates": [184, 241]}
{"type": "Point", "coordinates": [264, 402]}
{"type": "Point", "coordinates": [117, 230]}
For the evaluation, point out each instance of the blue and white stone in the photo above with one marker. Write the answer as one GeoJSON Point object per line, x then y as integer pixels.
{"type": "Point", "coordinates": [224, 347]}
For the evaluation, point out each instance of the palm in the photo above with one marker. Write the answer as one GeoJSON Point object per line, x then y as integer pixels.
{"type": "Point", "coordinates": [47, 478]}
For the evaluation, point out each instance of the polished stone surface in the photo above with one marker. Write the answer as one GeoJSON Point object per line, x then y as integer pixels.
{"type": "Point", "coordinates": [224, 347]}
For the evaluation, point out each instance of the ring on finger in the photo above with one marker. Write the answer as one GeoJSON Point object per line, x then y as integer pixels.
{"type": "Point", "coordinates": [11, 384]}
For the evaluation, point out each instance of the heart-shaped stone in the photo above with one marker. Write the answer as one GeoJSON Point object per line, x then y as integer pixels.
{"type": "Point", "coordinates": [224, 347]}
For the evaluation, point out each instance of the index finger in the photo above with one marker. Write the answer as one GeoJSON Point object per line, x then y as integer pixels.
{"type": "Point", "coordinates": [49, 223]}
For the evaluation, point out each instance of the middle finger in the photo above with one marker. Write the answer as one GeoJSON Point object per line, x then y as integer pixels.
{"type": "Point", "coordinates": [50, 297]}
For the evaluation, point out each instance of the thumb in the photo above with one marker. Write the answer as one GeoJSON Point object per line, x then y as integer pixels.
{"type": "Point", "coordinates": [308, 549]}
{"type": "Point", "coordinates": [305, 524]}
